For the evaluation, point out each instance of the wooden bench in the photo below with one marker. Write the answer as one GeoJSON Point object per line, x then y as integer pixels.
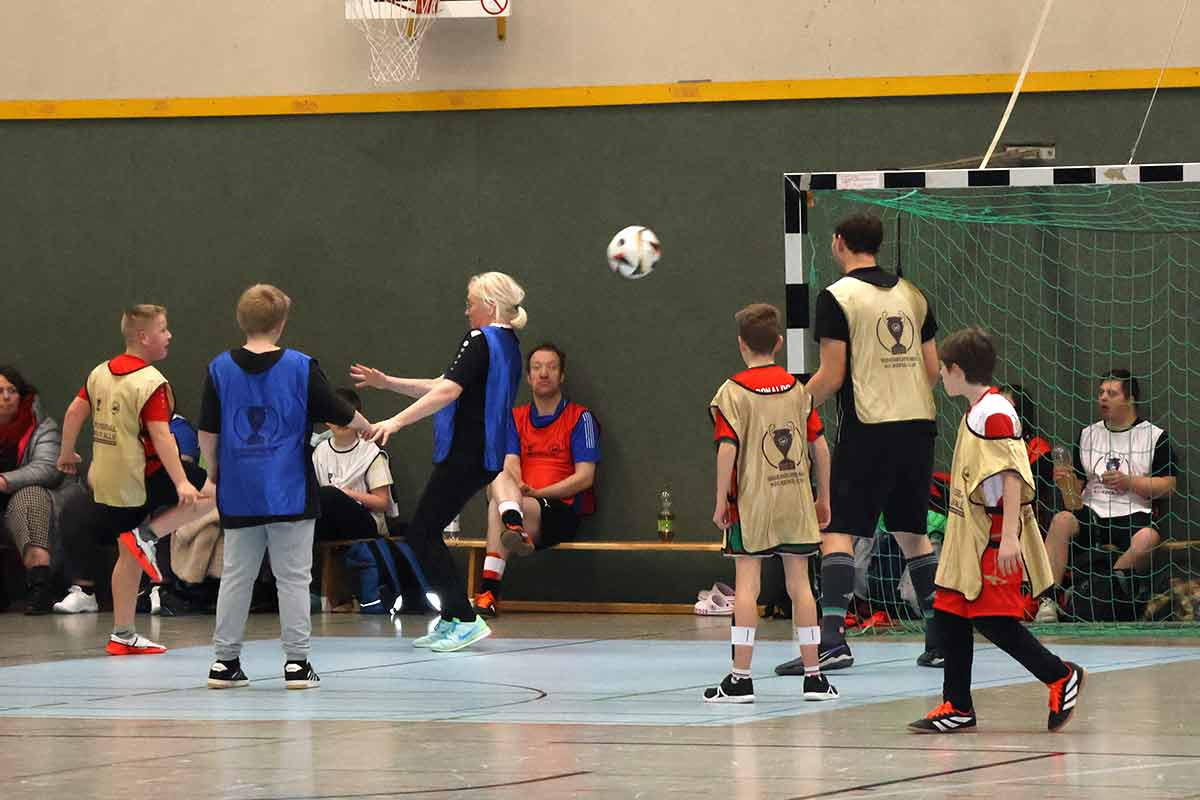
{"type": "Point", "coordinates": [477, 549]}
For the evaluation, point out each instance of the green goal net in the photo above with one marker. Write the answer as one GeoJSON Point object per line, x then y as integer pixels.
{"type": "Point", "coordinates": [1074, 281]}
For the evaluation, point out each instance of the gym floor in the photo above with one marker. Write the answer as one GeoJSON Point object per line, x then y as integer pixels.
{"type": "Point", "coordinates": [568, 705]}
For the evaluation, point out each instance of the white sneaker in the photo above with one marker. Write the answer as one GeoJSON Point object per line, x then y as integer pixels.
{"type": "Point", "coordinates": [77, 601]}
{"type": "Point", "coordinates": [1047, 611]}
{"type": "Point", "coordinates": [155, 601]}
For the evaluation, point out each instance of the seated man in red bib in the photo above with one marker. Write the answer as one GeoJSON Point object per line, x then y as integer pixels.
{"type": "Point", "coordinates": [553, 449]}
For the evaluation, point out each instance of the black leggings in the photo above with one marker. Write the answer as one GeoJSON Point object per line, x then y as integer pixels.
{"type": "Point", "coordinates": [448, 490]}
{"type": "Point", "coordinates": [1007, 633]}
{"type": "Point", "coordinates": [342, 517]}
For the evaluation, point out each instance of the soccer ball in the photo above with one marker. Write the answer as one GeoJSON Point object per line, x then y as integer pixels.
{"type": "Point", "coordinates": [633, 252]}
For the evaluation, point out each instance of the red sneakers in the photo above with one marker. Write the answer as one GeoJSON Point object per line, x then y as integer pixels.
{"type": "Point", "coordinates": [143, 551]}
{"type": "Point", "coordinates": [137, 646]}
{"type": "Point", "coordinates": [487, 605]}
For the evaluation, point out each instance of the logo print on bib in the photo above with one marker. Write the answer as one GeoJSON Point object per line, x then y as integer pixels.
{"type": "Point", "coordinates": [895, 332]}
{"type": "Point", "coordinates": [781, 440]}
{"type": "Point", "coordinates": [256, 425]}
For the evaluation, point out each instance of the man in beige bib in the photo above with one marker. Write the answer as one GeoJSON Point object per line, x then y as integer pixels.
{"type": "Point", "coordinates": [878, 356]}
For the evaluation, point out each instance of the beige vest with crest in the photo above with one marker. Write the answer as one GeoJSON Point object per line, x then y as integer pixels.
{"type": "Point", "coordinates": [118, 472]}
{"type": "Point", "coordinates": [887, 369]}
{"type": "Point", "coordinates": [968, 524]}
{"type": "Point", "coordinates": [775, 501]}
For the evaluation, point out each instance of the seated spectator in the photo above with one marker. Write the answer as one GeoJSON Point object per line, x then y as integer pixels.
{"type": "Point", "coordinates": [355, 481]}
{"type": "Point", "coordinates": [1038, 450]}
{"type": "Point", "coordinates": [29, 448]}
{"type": "Point", "coordinates": [553, 450]}
{"type": "Point", "coordinates": [1126, 464]}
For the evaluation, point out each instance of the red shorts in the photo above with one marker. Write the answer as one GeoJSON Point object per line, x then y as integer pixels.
{"type": "Point", "coordinates": [1001, 595]}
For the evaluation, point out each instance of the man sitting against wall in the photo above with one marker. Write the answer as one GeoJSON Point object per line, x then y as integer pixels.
{"type": "Point", "coordinates": [553, 449]}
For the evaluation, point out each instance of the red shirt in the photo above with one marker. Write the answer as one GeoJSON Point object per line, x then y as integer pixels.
{"type": "Point", "coordinates": [762, 378]}
{"type": "Point", "coordinates": [156, 409]}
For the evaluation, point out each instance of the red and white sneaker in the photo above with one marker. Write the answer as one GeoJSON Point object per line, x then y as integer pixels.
{"type": "Point", "coordinates": [137, 645]}
{"type": "Point", "coordinates": [944, 719]}
{"type": "Point", "coordinates": [143, 551]}
{"type": "Point", "coordinates": [486, 604]}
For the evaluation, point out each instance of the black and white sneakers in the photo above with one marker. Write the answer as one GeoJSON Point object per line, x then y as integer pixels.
{"type": "Point", "coordinates": [944, 719]}
{"type": "Point", "coordinates": [227, 675]}
{"type": "Point", "coordinates": [818, 687]}
{"type": "Point", "coordinates": [1064, 696]}
{"type": "Point", "coordinates": [300, 675]}
{"type": "Point", "coordinates": [731, 690]}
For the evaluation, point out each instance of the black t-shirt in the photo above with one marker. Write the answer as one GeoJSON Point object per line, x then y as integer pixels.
{"type": "Point", "coordinates": [323, 406]}
{"type": "Point", "coordinates": [831, 323]}
{"type": "Point", "coordinates": [469, 369]}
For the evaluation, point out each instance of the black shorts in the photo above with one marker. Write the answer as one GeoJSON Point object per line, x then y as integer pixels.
{"type": "Point", "coordinates": [1097, 531]}
{"type": "Point", "coordinates": [883, 471]}
{"type": "Point", "coordinates": [109, 522]}
{"type": "Point", "coordinates": [559, 523]}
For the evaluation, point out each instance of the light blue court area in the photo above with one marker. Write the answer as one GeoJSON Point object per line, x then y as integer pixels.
{"type": "Point", "coordinates": [567, 681]}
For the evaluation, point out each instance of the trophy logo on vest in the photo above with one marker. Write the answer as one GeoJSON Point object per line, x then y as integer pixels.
{"type": "Point", "coordinates": [256, 425]}
{"type": "Point", "coordinates": [899, 330]}
{"type": "Point", "coordinates": [782, 438]}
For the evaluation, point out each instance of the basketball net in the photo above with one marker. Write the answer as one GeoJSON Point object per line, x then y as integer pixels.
{"type": "Point", "coordinates": [394, 31]}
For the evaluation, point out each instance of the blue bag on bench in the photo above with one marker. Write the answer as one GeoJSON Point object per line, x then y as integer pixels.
{"type": "Point", "coordinates": [387, 584]}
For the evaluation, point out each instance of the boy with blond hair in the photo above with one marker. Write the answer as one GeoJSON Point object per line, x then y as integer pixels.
{"type": "Point", "coordinates": [135, 467]}
{"type": "Point", "coordinates": [260, 403]}
{"type": "Point", "coordinates": [992, 544]}
{"type": "Point", "coordinates": [764, 503]}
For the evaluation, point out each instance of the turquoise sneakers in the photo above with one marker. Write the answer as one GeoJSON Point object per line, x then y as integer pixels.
{"type": "Point", "coordinates": [460, 635]}
{"type": "Point", "coordinates": [437, 634]}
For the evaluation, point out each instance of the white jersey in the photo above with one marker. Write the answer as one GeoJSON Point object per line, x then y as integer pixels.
{"type": "Point", "coordinates": [361, 468]}
{"type": "Point", "coordinates": [993, 416]}
{"type": "Point", "coordinates": [1139, 450]}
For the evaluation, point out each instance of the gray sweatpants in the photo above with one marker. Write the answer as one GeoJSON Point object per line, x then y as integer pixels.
{"type": "Point", "coordinates": [290, 545]}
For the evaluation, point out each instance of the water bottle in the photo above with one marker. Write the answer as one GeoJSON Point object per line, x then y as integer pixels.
{"type": "Point", "coordinates": [1066, 483]}
{"type": "Point", "coordinates": [666, 517]}
{"type": "Point", "coordinates": [450, 533]}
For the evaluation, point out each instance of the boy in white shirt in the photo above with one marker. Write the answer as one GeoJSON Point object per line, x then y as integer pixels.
{"type": "Point", "coordinates": [355, 481]}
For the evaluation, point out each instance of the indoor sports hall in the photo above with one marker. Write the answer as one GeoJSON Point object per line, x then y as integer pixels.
{"type": "Point", "coordinates": [643, 172]}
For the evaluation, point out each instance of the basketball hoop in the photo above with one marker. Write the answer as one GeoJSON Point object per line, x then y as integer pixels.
{"type": "Point", "coordinates": [394, 31]}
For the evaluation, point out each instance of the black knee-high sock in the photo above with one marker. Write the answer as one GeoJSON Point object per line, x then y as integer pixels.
{"type": "Point", "coordinates": [922, 569]}
{"type": "Point", "coordinates": [1013, 638]}
{"type": "Point", "coordinates": [958, 647]}
{"type": "Point", "coordinates": [837, 584]}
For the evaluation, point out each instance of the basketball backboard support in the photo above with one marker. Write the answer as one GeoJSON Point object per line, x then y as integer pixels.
{"type": "Point", "coordinates": [499, 10]}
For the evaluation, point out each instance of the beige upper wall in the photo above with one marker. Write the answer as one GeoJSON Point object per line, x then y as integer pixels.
{"type": "Point", "coordinates": [60, 49]}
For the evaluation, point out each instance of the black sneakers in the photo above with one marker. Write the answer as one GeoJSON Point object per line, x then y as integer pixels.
{"type": "Point", "coordinates": [931, 658]}
{"type": "Point", "coordinates": [227, 675]}
{"type": "Point", "coordinates": [731, 690]}
{"type": "Point", "coordinates": [300, 675]}
{"type": "Point", "coordinates": [944, 719]}
{"type": "Point", "coordinates": [818, 687]}
{"type": "Point", "coordinates": [836, 656]}
{"type": "Point", "coordinates": [1064, 694]}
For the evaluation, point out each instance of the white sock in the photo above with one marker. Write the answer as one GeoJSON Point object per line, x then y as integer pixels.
{"type": "Point", "coordinates": [510, 505]}
{"type": "Point", "coordinates": [740, 674]}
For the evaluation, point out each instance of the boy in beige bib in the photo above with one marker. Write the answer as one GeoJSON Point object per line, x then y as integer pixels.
{"type": "Point", "coordinates": [764, 501]}
{"type": "Point", "coordinates": [992, 543]}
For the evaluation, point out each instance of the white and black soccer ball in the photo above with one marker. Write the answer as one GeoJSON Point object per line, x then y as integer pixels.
{"type": "Point", "coordinates": [633, 252]}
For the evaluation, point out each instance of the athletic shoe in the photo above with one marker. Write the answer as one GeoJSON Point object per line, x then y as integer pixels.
{"type": "Point", "coordinates": [143, 551]}
{"type": "Point", "coordinates": [793, 667]}
{"type": "Point", "coordinates": [487, 605]}
{"type": "Point", "coordinates": [77, 601]}
{"type": "Point", "coordinates": [1047, 611]}
{"type": "Point", "coordinates": [513, 537]}
{"type": "Point", "coordinates": [439, 631]}
{"type": "Point", "coordinates": [300, 675]}
{"type": "Point", "coordinates": [462, 634]}
{"type": "Point", "coordinates": [38, 600]}
{"type": "Point", "coordinates": [1064, 694]}
{"type": "Point", "coordinates": [944, 719]}
{"type": "Point", "coordinates": [837, 656]}
{"type": "Point", "coordinates": [731, 690]}
{"type": "Point", "coordinates": [136, 645]}
{"type": "Point", "coordinates": [227, 675]}
{"type": "Point", "coordinates": [155, 601]}
{"type": "Point", "coordinates": [818, 687]}
{"type": "Point", "coordinates": [931, 658]}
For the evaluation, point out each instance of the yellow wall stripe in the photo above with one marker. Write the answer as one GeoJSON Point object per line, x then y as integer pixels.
{"type": "Point", "coordinates": [575, 96]}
